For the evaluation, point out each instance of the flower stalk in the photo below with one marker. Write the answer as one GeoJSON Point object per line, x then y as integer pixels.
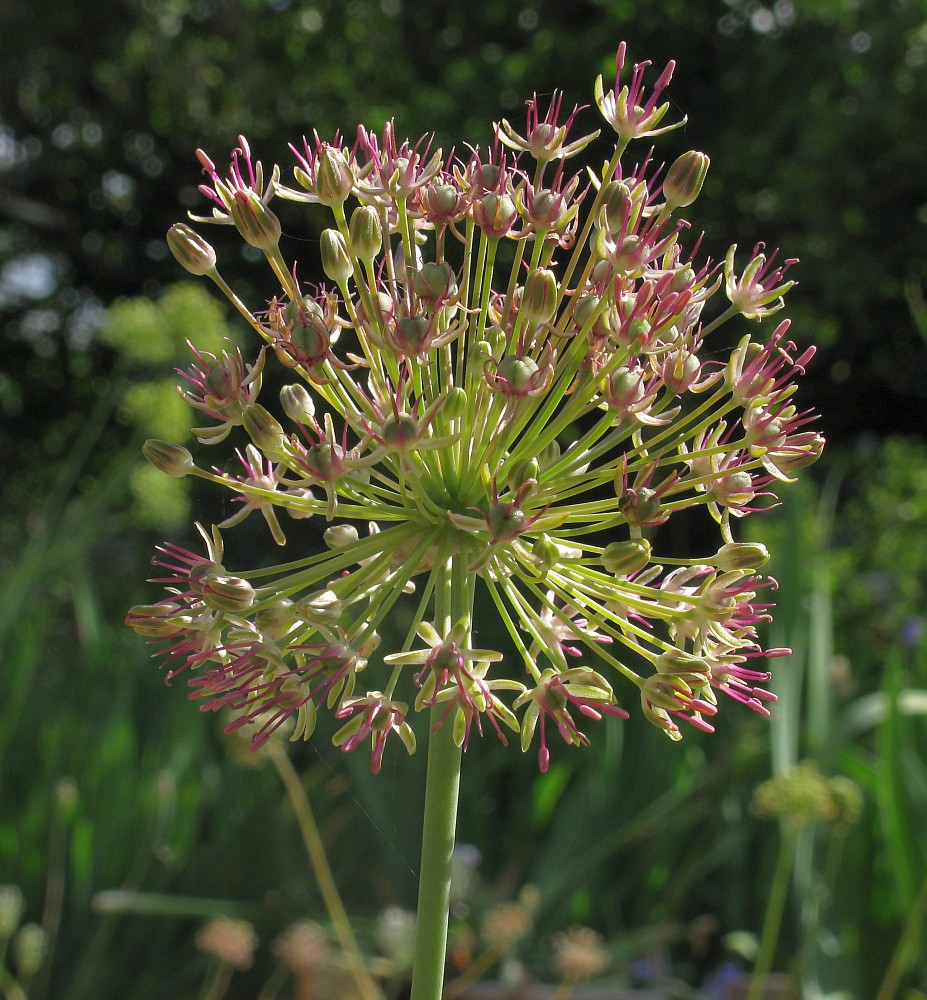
{"type": "Point", "coordinates": [471, 428]}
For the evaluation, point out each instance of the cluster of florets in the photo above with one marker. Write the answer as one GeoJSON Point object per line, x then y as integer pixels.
{"type": "Point", "coordinates": [497, 395]}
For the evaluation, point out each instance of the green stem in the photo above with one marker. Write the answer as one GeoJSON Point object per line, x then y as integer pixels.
{"type": "Point", "coordinates": [453, 601]}
{"type": "Point", "coordinates": [216, 987]}
{"type": "Point", "coordinates": [774, 910]}
{"type": "Point", "coordinates": [441, 787]}
{"type": "Point", "coordinates": [367, 988]}
{"type": "Point", "coordinates": [902, 959]}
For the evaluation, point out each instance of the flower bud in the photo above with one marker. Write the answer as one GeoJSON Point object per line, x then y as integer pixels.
{"type": "Point", "coordinates": [547, 551]}
{"type": "Point", "coordinates": [495, 214]}
{"type": "Point", "coordinates": [684, 179]}
{"type": "Point", "coordinates": [276, 620]}
{"type": "Point", "coordinates": [324, 607]}
{"type": "Point", "coordinates": [297, 403]}
{"type": "Point", "coordinates": [263, 429]}
{"type": "Point", "coordinates": [741, 555]}
{"type": "Point", "coordinates": [366, 232]}
{"type": "Point", "coordinates": [639, 506]}
{"type": "Point", "coordinates": [455, 403]}
{"type": "Point", "coordinates": [497, 339]}
{"type": "Point", "coordinates": [334, 179]}
{"type": "Point", "coordinates": [539, 299]}
{"type": "Point", "coordinates": [443, 203]}
{"type": "Point", "coordinates": [258, 225]}
{"type": "Point", "coordinates": [584, 309]}
{"type": "Point", "coordinates": [521, 473]}
{"type": "Point", "coordinates": [435, 281]}
{"type": "Point", "coordinates": [629, 556]}
{"type": "Point", "coordinates": [336, 262]}
{"type": "Point", "coordinates": [190, 249]}
{"type": "Point", "coordinates": [227, 593]}
{"type": "Point", "coordinates": [172, 459]}
{"type": "Point", "coordinates": [616, 207]}
{"type": "Point", "coordinates": [506, 521]}
{"type": "Point", "coordinates": [340, 535]}
{"type": "Point", "coordinates": [676, 662]}
{"type": "Point", "coordinates": [156, 620]}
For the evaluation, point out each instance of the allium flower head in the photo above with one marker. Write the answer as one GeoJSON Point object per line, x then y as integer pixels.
{"type": "Point", "coordinates": [507, 383]}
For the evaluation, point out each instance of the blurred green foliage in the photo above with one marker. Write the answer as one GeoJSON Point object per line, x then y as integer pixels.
{"type": "Point", "coordinates": [151, 337]}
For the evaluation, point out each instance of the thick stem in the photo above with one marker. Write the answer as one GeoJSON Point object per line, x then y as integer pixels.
{"type": "Point", "coordinates": [453, 601]}
{"type": "Point", "coordinates": [434, 891]}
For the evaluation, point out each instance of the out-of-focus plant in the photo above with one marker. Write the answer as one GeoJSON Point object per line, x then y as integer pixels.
{"type": "Point", "coordinates": [855, 702]}
{"type": "Point", "coordinates": [799, 799]}
{"type": "Point", "coordinates": [149, 336]}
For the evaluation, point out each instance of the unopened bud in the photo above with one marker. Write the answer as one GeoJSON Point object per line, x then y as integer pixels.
{"type": "Point", "coordinates": [741, 555]}
{"type": "Point", "coordinates": [497, 339]}
{"type": "Point", "coordinates": [258, 225]}
{"type": "Point", "coordinates": [547, 550]}
{"type": "Point", "coordinates": [156, 620]}
{"type": "Point", "coordinates": [521, 472]}
{"type": "Point", "coordinates": [366, 232]}
{"type": "Point", "coordinates": [324, 607]}
{"type": "Point", "coordinates": [227, 593]}
{"type": "Point", "coordinates": [334, 179]}
{"type": "Point", "coordinates": [684, 179]}
{"type": "Point", "coordinates": [276, 619]}
{"type": "Point", "coordinates": [297, 403]}
{"type": "Point", "coordinates": [190, 249]}
{"type": "Point", "coordinates": [616, 207]}
{"type": "Point", "coordinates": [585, 309]}
{"type": "Point", "coordinates": [639, 506]}
{"type": "Point", "coordinates": [676, 662]}
{"type": "Point", "coordinates": [336, 261]}
{"type": "Point", "coordinates": [340, 535]}
{"type": "Point", "coordinates": [435, 281]}
{"type": "Point", "coordinates": [629, 556]}
{"type": "Point", "coordinates": [263, 428]}
{"type": "Point", "coordinates": [539, 299]}
{"type": "Point", "coordinates": [172, 459]}
{"type": "Point", "coordinates": [455, 403]}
